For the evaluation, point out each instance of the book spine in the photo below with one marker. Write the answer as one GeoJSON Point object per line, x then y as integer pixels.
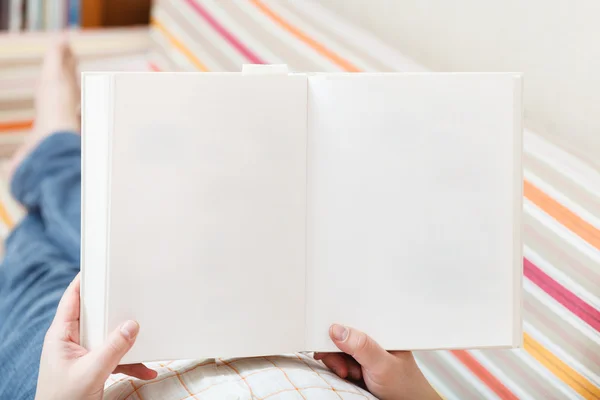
{"type": "Point", "coordinates": [29, 20]}
{"type": "Point", "coordinates": [54, 12]}
{"type": "Point", "coordinates": [74, 13]}
{"type": "Point", "coordinates": [47, 16]}
{"type": "Point", "coordinates": [518, 212]}
{"type": "Point", "coordinates": [4, 14]}
{"type": "Point", "coordinates": [33, 15]}
{"type": "Point", "coordinates": [62, 14]}
{"type": "Point", "coordinates": [41, 23]}
{"type": "Point", "coordinates": [15, 15]}
{"type": "Point", "coordinates": [57, 14]}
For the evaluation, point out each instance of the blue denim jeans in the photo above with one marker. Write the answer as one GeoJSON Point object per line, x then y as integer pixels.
{"type": "Point", "coordinates": [41, 258]}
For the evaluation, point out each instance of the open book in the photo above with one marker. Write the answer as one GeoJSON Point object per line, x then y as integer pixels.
{"type": "Point", "coordinates": [240, 214]}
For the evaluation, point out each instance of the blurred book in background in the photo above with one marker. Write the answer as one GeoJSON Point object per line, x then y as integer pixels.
{"type": "Point", "coordinates": [55, 15]}
{"type": "Point", "coordinates": [39, 15]}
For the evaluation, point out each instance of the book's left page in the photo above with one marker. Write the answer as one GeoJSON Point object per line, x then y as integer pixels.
{"type": "Point", "coordinates": [206, 234]}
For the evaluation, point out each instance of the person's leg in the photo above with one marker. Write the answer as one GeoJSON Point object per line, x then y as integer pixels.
{"type": "Point", "coordinates": [42, 253]}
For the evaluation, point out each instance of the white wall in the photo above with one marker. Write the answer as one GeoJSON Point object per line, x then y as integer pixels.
{"type": "Point", "coordinates": [556, 43]}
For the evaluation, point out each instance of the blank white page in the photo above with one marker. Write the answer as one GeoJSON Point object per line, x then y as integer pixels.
{"type": "Point", "coordinates": [207, 224]}
{"type": "Point", "coordinates": [414, 201]}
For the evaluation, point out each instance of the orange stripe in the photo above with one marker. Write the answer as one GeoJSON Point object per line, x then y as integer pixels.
{"type": "Point", "coordinates": [565, 373]}
{"type": "Point", "coordinates": [177, 44]}
{"type": "Point", "coordinates": [318, 47]}
{"type": "Point", "coordinates": [5, 217]}
{"type": "Point", "coordinates": [484, 375]}
{"type": "Point", "coordinates": [566, 217]}
{"type": "Point", "coordinates": [16, 125]}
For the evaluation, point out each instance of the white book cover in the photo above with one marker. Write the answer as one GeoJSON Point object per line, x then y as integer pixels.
{"type": "Point", "coordinates": [240, 214]}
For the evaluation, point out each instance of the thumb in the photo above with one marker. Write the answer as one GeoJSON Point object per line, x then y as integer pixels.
{"type": "Point", "coordinates": [361, 347]}
{"type": "Point", "coordinates": [106, 358]}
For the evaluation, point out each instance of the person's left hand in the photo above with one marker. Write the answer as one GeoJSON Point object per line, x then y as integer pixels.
{"type": "Point", "coordinates": [67, 370]}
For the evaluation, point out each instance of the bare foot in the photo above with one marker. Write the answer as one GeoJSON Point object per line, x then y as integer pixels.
{"type": "Point", "coordinates": [56, 101]}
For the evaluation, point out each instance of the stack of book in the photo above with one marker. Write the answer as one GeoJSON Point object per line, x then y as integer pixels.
{"type": "Point", "coordinates": [39, 15]}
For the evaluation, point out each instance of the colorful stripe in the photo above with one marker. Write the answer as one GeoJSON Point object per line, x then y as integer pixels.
{"type": "Point", "coordinates": [12, 126]}
{"type": "Point", "coordinates": [178, 45]}
{"type": "Point", "coordinates": [560, 213]}
{"type": "Point", "coordinates": [562, 371]}
{"type": "Point", "coordinates": [318, 47]}
{"type": "Point", "coordinates": [153, 67]}
{"type": "Point", "coordinates": [484, 375]}
{"type": "Point", "coordinates": [565, 297]}
{"type": "Point", "coordinates": [5, 217]}
{"type": "Point", "coordinates": [253, 58]}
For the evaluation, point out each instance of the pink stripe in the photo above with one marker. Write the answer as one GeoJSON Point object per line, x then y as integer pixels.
{"type": "Point", "coordinates": [153, 67]}
{"type": "Point", "coordinates": [225, 33]}
{"type": "Point", "coordinates": [565, 297]}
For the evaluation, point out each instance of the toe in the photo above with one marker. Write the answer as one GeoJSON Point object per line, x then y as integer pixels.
{"type": "Point", "coordinates": [58, 56]}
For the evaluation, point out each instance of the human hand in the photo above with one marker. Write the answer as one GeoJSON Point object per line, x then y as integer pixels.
{"type": "Point", "coordinates": [387, 375]}
{"type": "Point", "coordinates": [67, 370]}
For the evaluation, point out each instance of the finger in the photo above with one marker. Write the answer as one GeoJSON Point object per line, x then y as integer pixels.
{"type": "Point", "coordinates": [360, 346]}
{"type": "Point", "coordinates": [65, 326]}
{"type": "Point", "coordinates": [139, 371]}
{"type": "Point", "coordinates": [354, 370]}
{"type": "Point", "coordinates": [337, 363]}
{"type": "Point", "coordinates": [105, 359]}
{"type": "Point", "coordinates": [68, 308]}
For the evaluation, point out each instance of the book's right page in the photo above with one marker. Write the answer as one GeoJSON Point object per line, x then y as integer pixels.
{"type": "Point", "coordinates": [414, 202]}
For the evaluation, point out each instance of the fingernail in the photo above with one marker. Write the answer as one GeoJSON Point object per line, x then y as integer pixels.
{"type": "Point", "coordinates": [130, 329]}
{"type": "Point", "coordinates": [339, 332]}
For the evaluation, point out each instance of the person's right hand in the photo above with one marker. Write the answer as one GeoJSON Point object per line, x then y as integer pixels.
{"type": "Point", "coordinates": [69, 371]}
{"type": "Point", "coordinates": [387, 375]}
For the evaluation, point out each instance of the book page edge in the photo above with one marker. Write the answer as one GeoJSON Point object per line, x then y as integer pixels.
{"type": "Point", "coordinates": [96, 131]}
{"type": "Point", "coordinates": [517, 340]}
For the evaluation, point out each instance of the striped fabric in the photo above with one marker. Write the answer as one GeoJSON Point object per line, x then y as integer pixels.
{"type": "Point", "coordinates": [561, 354]}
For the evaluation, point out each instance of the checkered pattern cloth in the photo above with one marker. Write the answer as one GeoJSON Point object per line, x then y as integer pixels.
{"type": "Point", "coordinates": [295, 376]}
{"type": "Point", "coordinates": [561, 354]}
